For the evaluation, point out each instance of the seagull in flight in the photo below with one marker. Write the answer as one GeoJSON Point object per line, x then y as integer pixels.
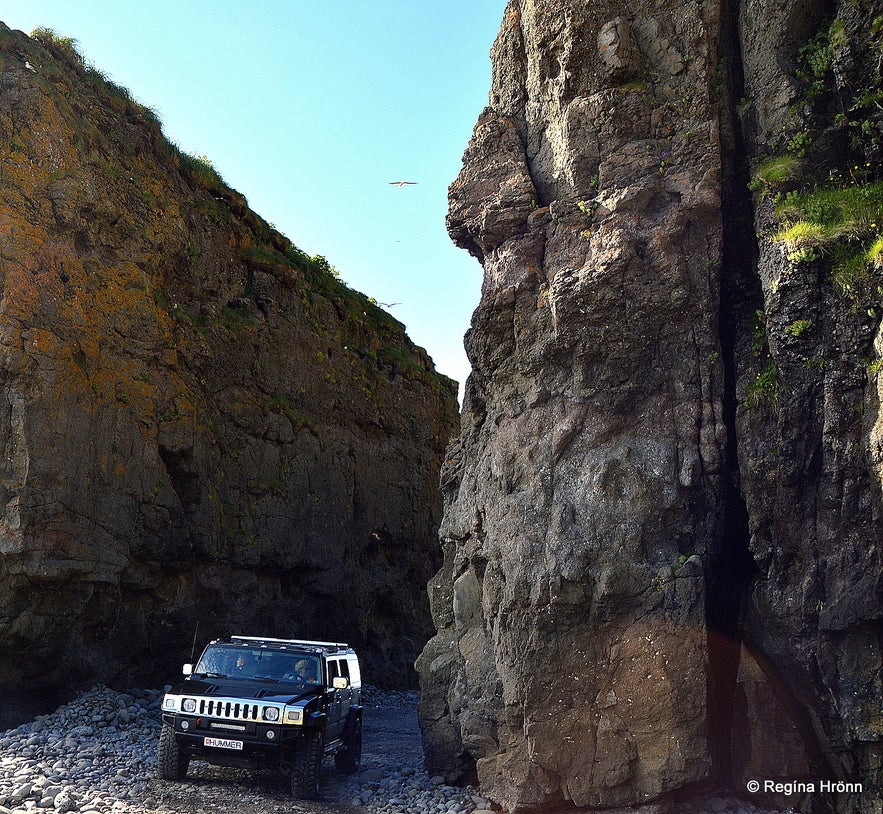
{"type": "Point", "coordinates": [401, 184]}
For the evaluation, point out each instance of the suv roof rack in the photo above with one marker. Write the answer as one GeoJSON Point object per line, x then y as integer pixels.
{"type": "Point", "coordinates": [299, 642]}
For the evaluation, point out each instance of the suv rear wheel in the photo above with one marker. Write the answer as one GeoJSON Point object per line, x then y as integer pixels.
{"type": "Point", "coordinates": [305, 771]}
{"type": "Point", "coordinates": [171, 762]}
{"type": "Point", "coordinates": [348, 759]}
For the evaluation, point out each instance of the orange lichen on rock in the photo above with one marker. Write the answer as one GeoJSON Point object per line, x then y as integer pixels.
{"type": "Point", "coordinates": [168, 429]}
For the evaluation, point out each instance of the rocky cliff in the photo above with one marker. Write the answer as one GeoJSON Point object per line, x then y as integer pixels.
{"type": "Point", "coordinates": [200, 425]}
{"type": "Point", "coordinates": [662, 515]}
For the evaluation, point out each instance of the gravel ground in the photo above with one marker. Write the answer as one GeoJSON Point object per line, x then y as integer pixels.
{"type": "Point", "coordinates": [97, 755]}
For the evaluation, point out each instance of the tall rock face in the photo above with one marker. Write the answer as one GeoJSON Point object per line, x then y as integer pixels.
{"type": "Point", "coordinates": [662, 513]}
{"type": "Point", "coordinates": [203, 430]}
{"type": "Point", "coordinates": [810, 452]}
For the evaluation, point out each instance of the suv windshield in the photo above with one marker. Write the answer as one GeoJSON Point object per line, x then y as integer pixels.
{"type": "Point", "coordinates": [232, 661]}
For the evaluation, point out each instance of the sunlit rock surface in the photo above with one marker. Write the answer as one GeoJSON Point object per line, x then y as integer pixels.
{"type": "Point", "coordinates": [660, 573]}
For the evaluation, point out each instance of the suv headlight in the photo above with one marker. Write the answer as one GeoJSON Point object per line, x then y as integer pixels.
{"type": "Point", "coordinates": [294, 716]}
{"type": "Point", "coordinates": [169, 703]}
{"type": "Point", "coordinates": [189, 705]}
{"type": "Point", "coordinates": [271, 714]}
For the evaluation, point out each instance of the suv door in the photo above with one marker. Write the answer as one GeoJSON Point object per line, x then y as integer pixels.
{"type": "Point", "coordinates": [346, 696]}
{"type": "Point", "coordinates": [335, 720]}
{"type": "Point", "coordinates": [352, 663]}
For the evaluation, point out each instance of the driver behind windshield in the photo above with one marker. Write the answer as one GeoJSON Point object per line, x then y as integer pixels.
{"type": "Point", "coordinates": [245, 664]}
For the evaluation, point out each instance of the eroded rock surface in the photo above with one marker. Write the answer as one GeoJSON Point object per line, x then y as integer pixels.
{"type": "Point", "coordinates": [200, 424]}
{"type": "Point", "coordinates": [636, 596]}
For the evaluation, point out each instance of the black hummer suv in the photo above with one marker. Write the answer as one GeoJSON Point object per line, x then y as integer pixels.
{"type": "Point", "coordinates": [253, 702]}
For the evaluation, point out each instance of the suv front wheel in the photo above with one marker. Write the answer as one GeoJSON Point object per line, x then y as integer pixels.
{"type": "Point", "coordinates": [305, 771]}
{"type": "Point", "coordinates": [171, 762]}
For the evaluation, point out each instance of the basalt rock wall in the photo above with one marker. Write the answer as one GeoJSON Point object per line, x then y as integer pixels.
{"type": "Point", "coordinates": [203, 430]}
{"type": "Point", "coordinates": [662, 513]}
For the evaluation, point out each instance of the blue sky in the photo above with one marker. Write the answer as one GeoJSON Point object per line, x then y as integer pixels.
{"type": "Point", "coordinates": [310, 109]}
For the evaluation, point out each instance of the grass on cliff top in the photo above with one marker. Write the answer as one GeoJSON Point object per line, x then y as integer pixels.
{"type": "Point", "coordinates": [119, 98]}
{"type": "Point", "coordinates": [265, 247]}
{"type": "Point", "coordinates": [201, 169]}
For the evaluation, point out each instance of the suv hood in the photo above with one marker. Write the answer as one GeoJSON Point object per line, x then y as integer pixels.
{"type": "Point", "coordinates": [247, 689]}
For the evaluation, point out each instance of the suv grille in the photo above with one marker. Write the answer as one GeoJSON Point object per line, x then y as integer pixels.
{"type": "Point", "coordinates": [229, 709]}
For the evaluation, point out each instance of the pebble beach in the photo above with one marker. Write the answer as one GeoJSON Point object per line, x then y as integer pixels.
{"type": "Point", "coordinates": [97, 755]}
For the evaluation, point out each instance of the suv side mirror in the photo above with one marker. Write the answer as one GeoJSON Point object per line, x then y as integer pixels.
{"type": "Point", "coordinates": [187, 670]}
{"type": "Point", "coordinates": [340, 682]}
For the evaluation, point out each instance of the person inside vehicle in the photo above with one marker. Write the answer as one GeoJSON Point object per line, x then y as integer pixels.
{"type": "Point", "coordinates": [245, 665]}
{"type": "Point", "coordinates": [306, 671]}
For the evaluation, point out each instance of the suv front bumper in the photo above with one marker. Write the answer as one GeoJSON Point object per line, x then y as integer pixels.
{"type": "Point", "coordinates": [212, 740]}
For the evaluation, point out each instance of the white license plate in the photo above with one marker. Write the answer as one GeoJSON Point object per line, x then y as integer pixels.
{"type": "Point", "coordinates": [223, 743]}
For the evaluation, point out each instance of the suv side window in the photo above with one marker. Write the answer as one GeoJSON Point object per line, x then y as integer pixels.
{"type": "Point", "coordinates": [355, 674]}
{"type": "Point", "coordinates": [338, 667]}
{"type": "Point", "coordinates": [333, 670]}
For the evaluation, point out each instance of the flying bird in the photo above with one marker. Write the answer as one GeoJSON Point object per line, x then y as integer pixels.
{"type": "Point", "coordinates": [401, 184]}
{"type": "Point", "coordinates": [388, 304]}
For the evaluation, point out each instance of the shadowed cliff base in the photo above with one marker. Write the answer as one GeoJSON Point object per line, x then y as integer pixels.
{"type": "Point", "coordinates": [203, 426]}
{"type": "Point", "coordinates": [662, 513]}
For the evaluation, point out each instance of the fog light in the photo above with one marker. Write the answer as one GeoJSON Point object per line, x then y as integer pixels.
{"type": "Point", "coordinates": [270, 734]}
{"type": "Point", "coordinates": [185, 725]}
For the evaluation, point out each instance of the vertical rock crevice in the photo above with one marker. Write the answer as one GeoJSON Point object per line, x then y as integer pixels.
{"type": "Point", "coordinates": [731, 567]}
{"type": "Point", "coordinates": [733, 661]}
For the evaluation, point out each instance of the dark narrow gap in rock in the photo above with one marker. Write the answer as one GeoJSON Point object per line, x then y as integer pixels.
{"type": "Point", "coordinates": [731, 566]}
{"type": "Point", "coordinates": [182, 475]}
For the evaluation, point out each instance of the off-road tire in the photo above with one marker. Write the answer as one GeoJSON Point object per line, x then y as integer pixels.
{"type": "Point", "coordinates": [348, 759]}
{"type": "Point", "coordinates": [305, 770]}
{"type": "Point", "coordinates": [171, 762]}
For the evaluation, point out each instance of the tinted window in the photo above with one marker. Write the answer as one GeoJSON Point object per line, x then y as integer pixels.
{"type": "Point", "coordinates": [333, 669]}
{"type": "Point", "coordinates": [231, 661]}
{"type": "Point", "coordinates": [355, 673]}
